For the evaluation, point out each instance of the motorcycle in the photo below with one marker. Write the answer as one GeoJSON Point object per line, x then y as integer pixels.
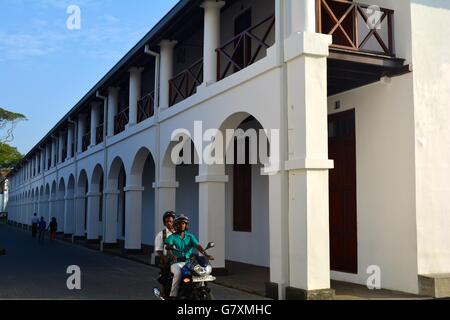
{"type": "Point", "coordinates": [195, 276]}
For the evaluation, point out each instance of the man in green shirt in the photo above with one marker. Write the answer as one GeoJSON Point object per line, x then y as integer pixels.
{"type": "Point", "coordinates": [184, 243]}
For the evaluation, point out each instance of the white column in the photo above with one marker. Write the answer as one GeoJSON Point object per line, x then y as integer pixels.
{"type": "Point", "coordinates": [110, 216]}
{"type": "Point", "coordinates": [165, 200]}
{"type": "Point", "coordinates": [42, 160]}
{"type": "Point", "coordinates": [308, 165]}
{"type": "Point", "coordinates": [133, 217]}
{"type": "Point", "coordinates": [69, 219]}
{"type": "Point", "coordinates": [79, 215]}
{"type": "Point", "coordinates": [135, 94]}
{"type": "Point", "coordinates": [212, 215]}
{"type": "Point", "coordinates": [81, 131]}
{"type": "Point", "coordinates": [70, 136]}
{"type": "Point", "coordinates": [60, 147]}
{"type": "Point", "coordinates": [302, 16]}
{"type": "Point", "coordinates": [211, 39]}
{"type": "Point", "coordinates": [53, 152]}
{"type": "Point", "coordinates": [166, 72]}
{"type": "Point", "coordinates": [113, 107]}
{"type": "Point", "coordinates": [95, 117]}
{"type": "Point", "coordinates": [60, 214]}
{"type": "Point", "coordinates": [93, 199]}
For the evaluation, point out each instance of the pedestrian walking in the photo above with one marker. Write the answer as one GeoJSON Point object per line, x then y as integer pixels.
{"type": "Point", "coordinates": [34, 225]}
{"type": "Point", "coordinates": [53, 227]}
{"type": "Point", "coordinates": [42, 226]}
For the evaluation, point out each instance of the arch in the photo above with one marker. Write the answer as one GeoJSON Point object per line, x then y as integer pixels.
{"type": "Point", "coordinates": [95, 204]}
{"type": "Point", "coordinates": [69, 207]}
{"type": "Point", "coordinates": [60, 207]}
{"type": "Point", "coordinates": [117, 180]}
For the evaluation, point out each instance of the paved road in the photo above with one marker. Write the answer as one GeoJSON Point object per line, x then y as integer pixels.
{"type": "Point", "coordinates": [32, 270]}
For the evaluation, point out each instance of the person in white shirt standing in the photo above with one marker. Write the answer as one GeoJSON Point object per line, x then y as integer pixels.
{"type": "Point", "coordinates": [160, 240]}
{"type": "Point", "coordinates": [34, 225]}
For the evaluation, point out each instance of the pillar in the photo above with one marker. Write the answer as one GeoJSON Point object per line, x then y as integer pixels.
{"type": "Point", "coordinates": [81, 131]}
{"type": "Point", "coordinates": [113, 107]}
{"type": "Point", "coordinates": [166, 71]}
{"type": "Point", "coordinates": [306, 66]}
{"type": "Point", "coordinates": [165, 200]}
{"type": "Point", "coordinates": [70, 136]}
{"type": "Point", "coordinates": [133, 217]}
{"type": "Point", "coordinates": [110, 217]}
{"type": "Point", "coordinates": [69, 219]}
{"type": "Point", "coordinates": [60, 147]}
{"type": "Point", "coordinates": [211, 39]}
{"type": "Point", "coordinates": [135, 94]}
{"type": "Point", "coordinates": [212, 215]}
{"type": "Point", "coordinates": [53, 153]}
{"type": "Point", "coordinates": [79, 215]}
{"type": "Point", "coordinates": [95, 117]}
{"type": "Point", "coordinates": [93, 205]}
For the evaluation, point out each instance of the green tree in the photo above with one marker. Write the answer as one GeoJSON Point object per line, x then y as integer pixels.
{"type": "Point", "coordinates": [8, 122]}
{"type": "Point", "coordinates": [9, 156]}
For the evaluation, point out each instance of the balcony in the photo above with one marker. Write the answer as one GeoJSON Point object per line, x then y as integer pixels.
{"type": "Point", "coordinates": [185, 84]}
{"type": "Point", "coordinates": [120, 121]}
{"type": "Point", "coordinates": [363, 44]}
{"type": "Point", "coordinates": [357, 27]}
{"type": "Point", "coordinates": [245, 48]}
{"type": "Point", "coordinates": [86, 141]}
{"type": "Point", "coordinates": [146, 107]}
{"type": "Point", "coordinates": [99, 134]}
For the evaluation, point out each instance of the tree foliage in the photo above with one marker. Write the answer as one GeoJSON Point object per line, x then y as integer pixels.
{"type": "Point", "coordinates": [8, 122]}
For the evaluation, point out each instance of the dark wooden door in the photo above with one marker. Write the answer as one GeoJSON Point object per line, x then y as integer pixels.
{"type": "Point", "coordinates": [343, 217]}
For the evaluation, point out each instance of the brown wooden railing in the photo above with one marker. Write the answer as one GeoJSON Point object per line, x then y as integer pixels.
{"type": "Point", "coordinates": [86, 141]}
{"type": "Point", "coordinates": [146, 107]}
{"type": "Point", "coordinates": [185, 84]}
{"type": "Point", "coordinates": [120, 121]}
{"type": "Point", "coordinates": [99, 134]}
{"type": "Point", "coordinates": [342, 19]}
{"type": "Point", "coordinates": [237, 53]}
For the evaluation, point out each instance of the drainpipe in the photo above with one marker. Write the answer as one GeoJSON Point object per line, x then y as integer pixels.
{"type": "Point", "coordinates": [75, 157]}
{"type": "Point", "coordinates": [105, 162]}
{"type": "Point", "coordinates": [158, 130]}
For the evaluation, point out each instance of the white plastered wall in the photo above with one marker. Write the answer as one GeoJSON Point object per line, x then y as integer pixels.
{"type": "Point", "coordinates": [431, 61]}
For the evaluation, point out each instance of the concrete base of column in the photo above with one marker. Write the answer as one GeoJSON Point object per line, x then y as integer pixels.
{"type": "Point", "coordinates": [132, 251]}
{"type": "Point", "coordinates": [300, 294]}
{"type": "Point", "coordinates": [272, 290]}
{"type": "Point", "coordinates": [66, 235]}
{"type": "Point", "coordinates": [93, 241]}
{"type": "Point", "coordinates": [110, 246]}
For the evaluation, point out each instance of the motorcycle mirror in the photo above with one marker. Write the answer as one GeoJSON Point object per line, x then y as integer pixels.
{"type": "Point", "coordinates": [210, 245]}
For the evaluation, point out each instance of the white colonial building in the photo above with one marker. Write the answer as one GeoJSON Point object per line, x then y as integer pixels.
{"type": "Point", "coordinates": [360, 97]}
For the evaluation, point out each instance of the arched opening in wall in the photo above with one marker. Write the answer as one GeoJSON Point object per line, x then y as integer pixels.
{"type": "Point", "coordinates": [81, 205]}
{"type": "Point", "coordinates": [60, 208]}
{"type": "Point", "coordinates": [41, 202]}
{"type": "Point", "coordinates": [69, 221]}
{"type": "Point", "coordinates": [122, 204]}
{"type": "Point", "coordinates": [247, 194]}
{"type": "Point", "coordinates": [116, 216]}
{"type": "Point", "coordinates": [53, 202]}
{"type": "Point", "coordinates": [143, 175]}
{"type": "Point", "coordinates": [187, 194]}
{"type": "Point", "coordinates": [97, 201]}
{"type": "Point", "coordinates": [46, 206]}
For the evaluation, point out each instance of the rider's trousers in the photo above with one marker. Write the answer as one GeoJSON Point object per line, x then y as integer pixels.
{"type": "Point", "coordinates": [176, 270]}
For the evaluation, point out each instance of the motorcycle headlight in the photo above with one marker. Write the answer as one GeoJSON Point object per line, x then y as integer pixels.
{"type": "Point", "coordinates": [208, 269]}
{"type": "Point", "coordinates": [199, 270]}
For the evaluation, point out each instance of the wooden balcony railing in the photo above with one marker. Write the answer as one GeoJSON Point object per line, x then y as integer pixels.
{"type": "Point", "coordinates": [244, 49]}
{"type": "Point", "coordinates": [185, 83]}
{"type": "Point", "coordinates": [120, 121]}
{"type": "Point", "coordinates": [99, 134]}
{"type": "Point", "coordinates": [146, 107]}
{"type": "Point", "coordinates": [356, 26]}
{"type": "Point", "coordinates": [86, 141]}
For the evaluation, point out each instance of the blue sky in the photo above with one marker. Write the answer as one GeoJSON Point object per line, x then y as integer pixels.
{"type": "Point", "coordinates": [45, 68]}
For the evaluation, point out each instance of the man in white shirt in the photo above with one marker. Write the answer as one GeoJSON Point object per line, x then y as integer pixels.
{"type": "Point", "coordinates": [160, 249]}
